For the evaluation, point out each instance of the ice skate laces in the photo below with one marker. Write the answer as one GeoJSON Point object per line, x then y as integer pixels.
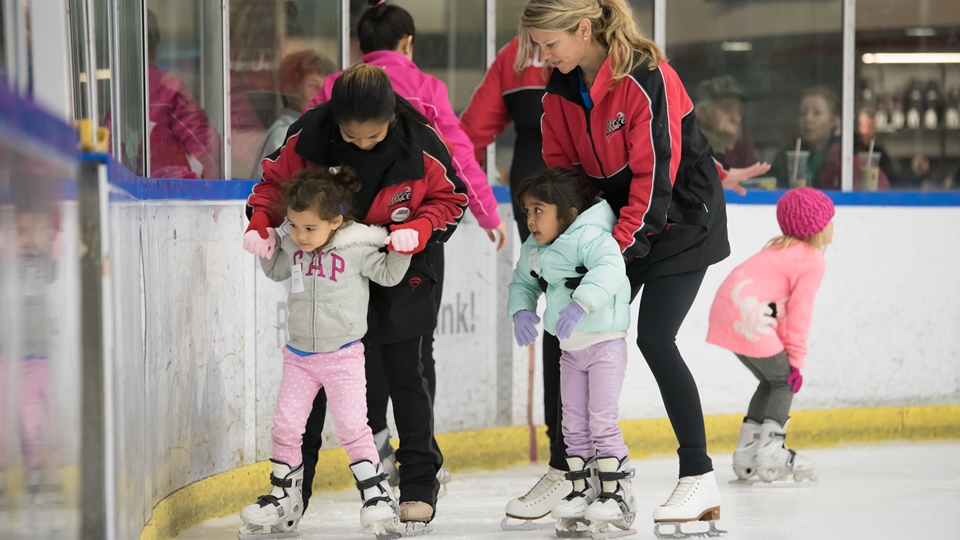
{"type": "Point", "coordinates": [542, 485]}
{"type": "Point", "coordinates": [682, 492]}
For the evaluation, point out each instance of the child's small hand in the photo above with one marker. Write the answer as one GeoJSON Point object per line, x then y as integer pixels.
{"type": "Point", "coordinates": [261, 247]}
{"type": "Point", "coordinates": [403, 240]}
{"type": "Point", "coordinates": [568, 319]}
{"type": "Point", "coordinates": [795, 380]}
{"type": "Point", "coordinates": [525, 327]}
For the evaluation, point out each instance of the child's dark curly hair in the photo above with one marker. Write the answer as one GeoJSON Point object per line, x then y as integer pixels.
{"type": "Point", "coordinates": [565, 188]}
{"type": "Point", "coordinates": [328, 192]}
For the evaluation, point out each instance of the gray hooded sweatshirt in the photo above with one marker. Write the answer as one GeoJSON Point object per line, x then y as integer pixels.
{"type": "Point", "coordinates": [331, 309]}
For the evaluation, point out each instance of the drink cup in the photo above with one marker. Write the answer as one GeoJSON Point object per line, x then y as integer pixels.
{"type": "Point", "coordinates": [799, 177]}
{"type": "Point", "coordinates": [869, 170]}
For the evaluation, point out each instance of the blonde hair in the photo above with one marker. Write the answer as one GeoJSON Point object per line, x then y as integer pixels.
{"type": "Point", "coordinates": [817, 241]}
{"type": "Point", "coordinates": [613, 27]}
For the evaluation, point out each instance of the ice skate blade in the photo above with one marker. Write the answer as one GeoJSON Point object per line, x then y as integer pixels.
{"type": "Point", "coordinates": [615, 533]}
{"type": "Point", "coordinates": [412, 528]}
{"type": "Point", "coordinates": [579, 533]}
{"type": "Point", "coordinates": [678, 533]}
{"type": "Point", "coordinates": [527, 525]}
{"type": "Point", "coordinates": [784, 483]}
{"type": "Point", "coordinates": [267, 535]}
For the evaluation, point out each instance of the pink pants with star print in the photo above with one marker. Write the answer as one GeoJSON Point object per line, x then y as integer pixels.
{"type": "Point", "coordinates": [341, 374]}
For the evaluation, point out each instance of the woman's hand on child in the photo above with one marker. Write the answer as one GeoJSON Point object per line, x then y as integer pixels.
{"type": "Point", "coordinates": [525, 327]}
{"type": "Point", "coordinates": [795, 379]}
{"type": "Point", "coordinates": [568, 319]}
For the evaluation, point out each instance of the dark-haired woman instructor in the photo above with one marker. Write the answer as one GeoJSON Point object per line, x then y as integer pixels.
{"type": "Point", "coordinates": [408, 183]}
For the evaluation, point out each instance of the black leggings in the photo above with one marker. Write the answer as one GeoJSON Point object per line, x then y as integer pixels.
{"type": "Point", "coordinates": [663, 306]}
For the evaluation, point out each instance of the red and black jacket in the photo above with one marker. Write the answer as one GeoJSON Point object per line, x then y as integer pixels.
{"type": "Point", "coordinates": [405, 177]}
{"type": "Point", "coordinates": [641, 144]}
{"type": "Point", "coordinates": [506, 96]}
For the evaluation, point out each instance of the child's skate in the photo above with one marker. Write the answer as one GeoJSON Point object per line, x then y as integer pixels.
{"type": "Point", "coordinates": [276, 515]}
{"type": "Point", "coordinates": [696, 498]}
{"type": "Point", "coordinates": [612, 514]}
{"type": "Point", "coordinates": [537, 503]}
{"type": "Point", "coordinates": [745, 456]}
{"type": "Point", "coordinates": [380, 513]}
{"type": "Point", "coordinates": [777, 464]}
{"type": "Point", "coordinates": [570, 513]}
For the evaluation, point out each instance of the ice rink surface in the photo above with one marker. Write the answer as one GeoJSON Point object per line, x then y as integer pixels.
{"type": "Point", "coordinates": [895, 491]}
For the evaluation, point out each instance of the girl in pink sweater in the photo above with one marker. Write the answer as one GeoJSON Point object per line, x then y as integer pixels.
{"type": "Point", "coordinates": [762, 313]}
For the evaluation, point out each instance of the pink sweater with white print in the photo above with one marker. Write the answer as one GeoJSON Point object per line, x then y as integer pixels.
{"type": "Point", "coordinates": [739, 317]}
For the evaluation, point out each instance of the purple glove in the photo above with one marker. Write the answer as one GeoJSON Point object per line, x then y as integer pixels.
{"type": "Point", "coordinates": [525, 327]}
{"type": "Point", "coordinates": [795, 379]}
{"type": "Point", "coordinates": [568, 319]}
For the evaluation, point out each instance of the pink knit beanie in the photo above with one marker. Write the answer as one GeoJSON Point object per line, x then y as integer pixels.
{"type": "Point", "coordinates": [803, 212]}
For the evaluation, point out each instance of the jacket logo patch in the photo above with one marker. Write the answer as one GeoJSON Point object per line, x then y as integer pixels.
{"type": "Point", "coordinates": [400, 215]}
{"type": "Point", "coordinates": [615, 124]}
{"type": "Point", "coordinates": [401, 196]}
{"type": "Point", "coordinates": [414, 282]}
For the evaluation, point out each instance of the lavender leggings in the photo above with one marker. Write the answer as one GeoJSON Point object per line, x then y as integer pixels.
{"type": "Point", "coordinates": [590, 383]}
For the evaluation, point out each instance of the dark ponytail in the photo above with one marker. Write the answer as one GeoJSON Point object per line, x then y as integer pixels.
{"type": "Point", "coordinates": [326, 191]}
{"type": "Point", "coordinates": [382, 26]}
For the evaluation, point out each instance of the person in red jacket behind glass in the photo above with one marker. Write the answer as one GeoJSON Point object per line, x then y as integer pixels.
{"type": "Point", "coordinates": [615, 108]}
{"type": "Point", "coordinates": [407, 182]}
{"type": "Point", "coordinates": [514, 95]}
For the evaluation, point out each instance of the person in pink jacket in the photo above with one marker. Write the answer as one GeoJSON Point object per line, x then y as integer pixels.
{"type": "Point", "coordinates": [762, 313]}
{"type": "Point", "coordinates": [386, 34]}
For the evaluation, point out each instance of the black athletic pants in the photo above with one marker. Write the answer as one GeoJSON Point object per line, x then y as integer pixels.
{"type": "Point", "coordinates": [663, 306]}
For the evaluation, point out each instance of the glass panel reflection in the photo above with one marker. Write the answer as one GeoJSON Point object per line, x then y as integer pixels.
{"type": "Point", "coordinates": [907, 101]}
{"type": "Point", "coordinates": [766, 80]}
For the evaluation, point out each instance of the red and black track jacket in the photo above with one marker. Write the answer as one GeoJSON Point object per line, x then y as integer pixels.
{"type": "Point", "coordinates": [407, 176]}
{"type": "Point", "coordinates": [504, 96]}
{"type": "Point", "coordinates": [642, 145]}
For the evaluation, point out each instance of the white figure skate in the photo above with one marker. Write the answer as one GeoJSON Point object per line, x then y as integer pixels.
{"type": "Point", "coordinates": [537, 503]}
{"type": "Point", "coordinates": [777, 464]}
{"type": "Point", "coordinates": [276, 515]}
{"type": "Point", "coordinates": [696, 498]}
{"type": "Point", "coordinates": [380, 512]}
{"type": "Point", "coordinates": [612, 514]}
{"type": "Point", "coordinates": [570, 512]}
{"type": "Point", "coordinates": [443, 476]}
{"type": "Point", "coordinates": [745, 456]}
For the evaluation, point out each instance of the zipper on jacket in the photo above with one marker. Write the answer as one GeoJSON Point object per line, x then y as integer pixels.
{"type": "Point", "coordinates": [596, 156]}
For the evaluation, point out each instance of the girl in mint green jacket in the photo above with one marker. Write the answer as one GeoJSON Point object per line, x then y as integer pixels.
{"type": "Point", "coordinates": [571, 236]}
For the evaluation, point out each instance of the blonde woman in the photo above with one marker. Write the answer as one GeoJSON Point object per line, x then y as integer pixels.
{"type": "Point", "coordinates": [615, 108]}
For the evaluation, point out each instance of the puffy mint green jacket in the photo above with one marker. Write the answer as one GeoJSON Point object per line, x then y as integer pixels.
{"type": "Point", "coordinates": [604, 291]}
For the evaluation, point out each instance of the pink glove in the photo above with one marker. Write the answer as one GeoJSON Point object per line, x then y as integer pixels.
{"type": "Point", "coordinates": [568, 319]}
{"type": "Point", "coordinates": [525, 327]}
{"type": "Point", "coordinates": [403, 240]}
{"type": "Point", "coordinates": [424, 230]}
{"type": "Point", "coordinates": [261, 247]}
{"type": "Point", "coordinates": [795, 379]}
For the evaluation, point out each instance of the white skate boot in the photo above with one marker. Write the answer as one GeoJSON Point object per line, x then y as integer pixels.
{"type": "Point", "coordinates": [615, 506]}
{"type": "Point", "coordinates": [380, 512]}
{"type": "Point", "coordinates": [443, 476]}
{"type": "Point", "coordinates": [745, 456]}
{"type": "Point", "coordinates": [777, 464]}
{"type": "Point", "coordinates": [696, 498]}
{"type": "Point", "coordinates": [276, 515]}
{"type": "Point", "coordinates": [571, 511]}
{"type": "Point", "coordinates": [388, 460]}
{"type": "Point", "coordinates": [537, 503]}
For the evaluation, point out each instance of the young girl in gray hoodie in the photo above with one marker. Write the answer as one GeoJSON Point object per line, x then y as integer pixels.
{"type": "Point", "coordinates": [329, 260]}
